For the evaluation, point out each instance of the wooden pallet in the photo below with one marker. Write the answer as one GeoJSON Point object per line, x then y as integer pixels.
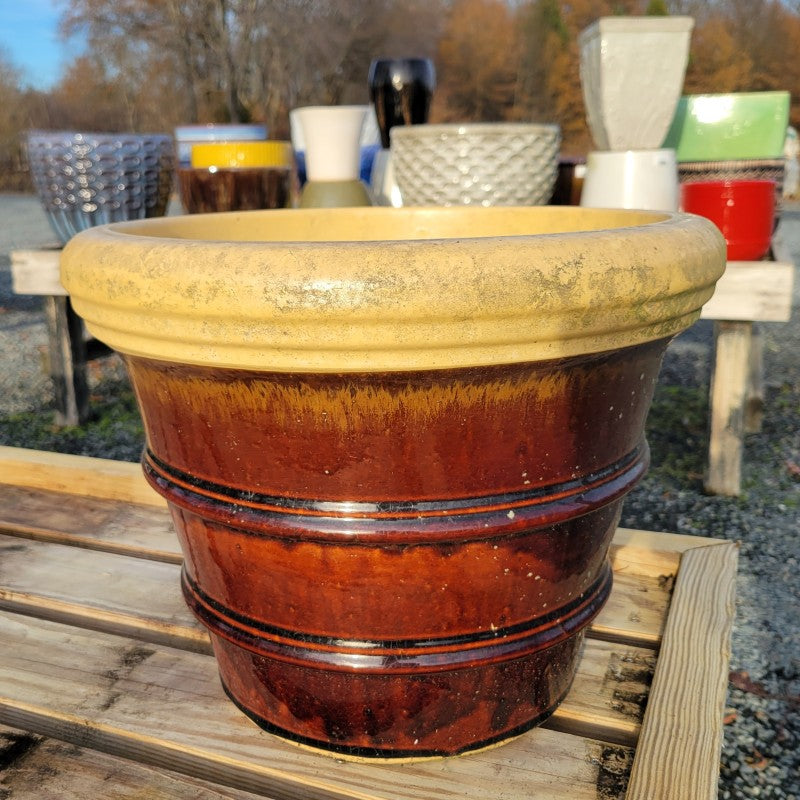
{"type": "Point", "coordinates": [102, 657]}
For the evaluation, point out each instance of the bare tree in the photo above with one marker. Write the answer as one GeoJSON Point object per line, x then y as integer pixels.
{"type": "Point", "coordinates": [241, 59]}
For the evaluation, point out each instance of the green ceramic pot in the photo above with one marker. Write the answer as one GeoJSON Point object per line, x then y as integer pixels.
{"type": "Point", "coordinates": [729, 127]}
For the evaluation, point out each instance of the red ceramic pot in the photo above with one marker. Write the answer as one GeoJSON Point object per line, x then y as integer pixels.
{"type": "Point", "coordinates": [743, 210]}
{"type": "Point", "coordinates": [395, 444]}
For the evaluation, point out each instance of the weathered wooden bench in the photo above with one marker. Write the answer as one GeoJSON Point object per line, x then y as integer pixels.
{"type": "Point", "coordinates": [749, 292]}
{"type": "Point", "coordinates": [107, 683]}
{"type": "Point", "coordinates": [36, 272]}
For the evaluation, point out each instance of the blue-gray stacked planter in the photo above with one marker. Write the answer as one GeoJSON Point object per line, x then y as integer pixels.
{"type": "Point", "coordinates": [87, 179]}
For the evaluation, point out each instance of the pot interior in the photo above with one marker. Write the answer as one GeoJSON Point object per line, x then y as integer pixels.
{"type": "Point", "coordinates": [389, 224]}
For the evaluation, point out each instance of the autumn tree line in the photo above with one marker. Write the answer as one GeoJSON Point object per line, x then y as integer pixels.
{"type": "Point", "coordinates": [150, 65]}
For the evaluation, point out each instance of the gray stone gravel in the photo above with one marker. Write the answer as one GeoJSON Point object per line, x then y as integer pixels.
{"type": "Point", "coordinates": [761, 754]}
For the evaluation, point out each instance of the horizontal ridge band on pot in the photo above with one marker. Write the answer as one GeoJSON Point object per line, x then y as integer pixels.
{"type": "Point", "coordinates": [387, 289]}
{"type": "Point", "coordinates": [401, 523]}
{"type": "Point", "coordinates": [432, 654]}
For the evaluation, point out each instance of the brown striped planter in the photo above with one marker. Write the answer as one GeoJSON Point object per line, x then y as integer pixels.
{"type": "Point", "coordinates": [395, 444]}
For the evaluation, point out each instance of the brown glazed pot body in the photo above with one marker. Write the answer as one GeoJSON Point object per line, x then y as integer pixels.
{"type": "Point", "coordinates": [398, 564]}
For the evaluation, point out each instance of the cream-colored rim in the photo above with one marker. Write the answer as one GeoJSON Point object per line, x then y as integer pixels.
{"type": "Point", "coordinates": [391, 289]}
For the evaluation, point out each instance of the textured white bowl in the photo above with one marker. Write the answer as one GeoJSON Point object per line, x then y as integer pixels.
{"type": "Point", "coordinates": [482, 164]}
{"type": "Point", "coordinates": [632, 71]}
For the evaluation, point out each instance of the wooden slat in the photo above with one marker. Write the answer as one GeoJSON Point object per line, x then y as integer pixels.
{"type": "Point", "coordinates": [165, 707]}
{"type": "Point", "coordinates": [728, 395]}
{"type": "Point", "coordinates": [634, 614]}
{"type": "Point", "coordinates": [132, 529]}
{"type": "Point", "coordinates": [678, 753]}
{"type": "Point", "coordinates": [752, 291]}
{"type": "Point", "coordinates": [657, 551]}
{"type": "Point", "coordinates": [26, 473]}
{"type": "Point", "coordinates": [636, 611]}
{"type": "Point", "coordinates": [123, 481]}
{"type": "Point", "coordinates": [37, 271]}
{"type": "Point", "coordinates": [76, 475]}
{"type": "Point", "coordinates": [103, 480]}
{"type": "Point", "coordinates": [141, 599]}
{"type": "Point", "coordinates": [98, 591]}
{"type": "Point", "coordinates": [609, 694]}
{"type": "Point", "coordinates": [34, 768]}
{"type": "Point", "coordinates": [754, 393]}
{"type": "Point", "coordinates": [111, 525]}
{"type": "Point", "coordinates": [67, 361]}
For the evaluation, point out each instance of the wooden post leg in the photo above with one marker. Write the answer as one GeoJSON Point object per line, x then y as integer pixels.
{"type": "Point", "coordinates": [728, 395]}
{"type": "Point", "coordinates": [754, 407]}
{"type": "Point", "coordinates": [67, 361]}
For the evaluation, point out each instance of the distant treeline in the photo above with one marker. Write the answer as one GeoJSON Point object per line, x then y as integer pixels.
{"type": "Point", "coordinates": [154, 64]}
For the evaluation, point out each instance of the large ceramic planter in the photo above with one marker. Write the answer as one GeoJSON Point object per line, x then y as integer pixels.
{"type": "Point", "coordinates": [632, 71]}
{"type": "Point", "coordinates": [395, 443]}
{"type": "Point", "coordinates": [477, 163]}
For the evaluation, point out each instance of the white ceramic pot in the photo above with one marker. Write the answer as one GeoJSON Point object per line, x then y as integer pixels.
{"type": "Point", "coordinates": [646, 179]}
{"type": "Point", "coordinates": [482, 164]}
{"type": "Point", "coordinates": [632, 71]}
{"type": "Point", "coordinates": [330, 136]}
{"type": "Point", "coordinates": [370, 134]}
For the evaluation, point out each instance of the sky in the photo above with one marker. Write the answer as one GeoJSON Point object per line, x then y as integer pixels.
{"type": "Point", "coordinates": [29, 40]}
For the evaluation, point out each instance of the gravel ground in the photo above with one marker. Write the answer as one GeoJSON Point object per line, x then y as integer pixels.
{"type": "Point", "coordinates": [761, 755]}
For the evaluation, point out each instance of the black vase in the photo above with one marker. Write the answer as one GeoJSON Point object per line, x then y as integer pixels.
{"type": "Point", "coordinates": [401, 91]}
